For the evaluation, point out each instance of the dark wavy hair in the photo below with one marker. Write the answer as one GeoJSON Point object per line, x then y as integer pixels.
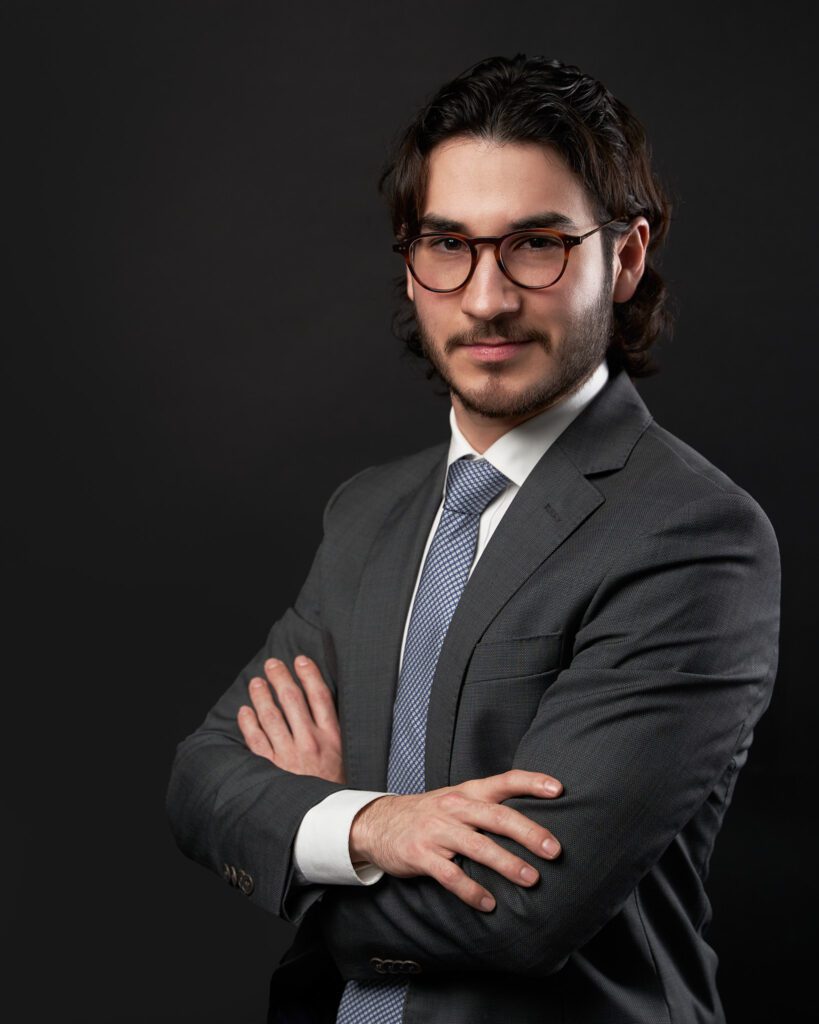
{"type": "Point", "coordinates": [532, 99]}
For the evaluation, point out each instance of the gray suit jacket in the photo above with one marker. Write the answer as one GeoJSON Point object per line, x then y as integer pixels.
{"type": "Point", "coordinates": [620, 633]}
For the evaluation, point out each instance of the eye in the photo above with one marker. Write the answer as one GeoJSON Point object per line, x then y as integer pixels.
{"type": "Point", "coordinates": [535, 243]}
{"type": "Point", "coordinates": [445, 244]}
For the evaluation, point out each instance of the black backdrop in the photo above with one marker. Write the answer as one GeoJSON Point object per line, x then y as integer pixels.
{"type": "Point", "coordinates": [184, 396]}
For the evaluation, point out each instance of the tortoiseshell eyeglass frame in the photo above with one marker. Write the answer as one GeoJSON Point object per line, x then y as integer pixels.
{"type": "Point", "coordinates": [569, 242]}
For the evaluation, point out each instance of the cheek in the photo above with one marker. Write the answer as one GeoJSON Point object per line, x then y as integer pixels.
{"type": "Point", "coordinates": [587, 282]}
{"type": "Point", "coordinates": [563, 308]}
{"type": "Point", "coordinates": [546, 313]}
{"type": "Point", "coordinates": [435, 314]}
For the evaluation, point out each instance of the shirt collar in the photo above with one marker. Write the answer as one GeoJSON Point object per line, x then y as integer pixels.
{"type": "Point", "coordinates": [520, 449]}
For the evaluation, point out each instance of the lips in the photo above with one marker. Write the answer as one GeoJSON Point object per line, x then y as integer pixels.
{"type": "Point", "coordinates": [494, 349]}
{"type": "Point", "coordinates": [494, 342]}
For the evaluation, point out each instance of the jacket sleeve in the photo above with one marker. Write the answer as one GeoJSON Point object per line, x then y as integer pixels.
{"type": "Point", "coordinates": [235, 812]}
{"type": "Point", "coordinates": [672, 665]}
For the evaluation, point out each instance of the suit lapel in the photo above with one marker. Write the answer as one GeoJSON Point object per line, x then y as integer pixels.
{"type": "Point", "coordinates": [553, 502]}
{"type": "Point", "coordinates": [378, 627]}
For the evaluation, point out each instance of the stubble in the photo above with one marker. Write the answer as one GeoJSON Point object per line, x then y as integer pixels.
{"type": "Point", "coordinates": [583, 348]}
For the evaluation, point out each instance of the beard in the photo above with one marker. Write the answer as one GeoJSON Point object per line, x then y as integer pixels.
{"type": "Point", "coordinates": [584, 347]}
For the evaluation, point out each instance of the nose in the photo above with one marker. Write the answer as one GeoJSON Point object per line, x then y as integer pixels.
{"type": "Point", "coordinates": [489, 292]}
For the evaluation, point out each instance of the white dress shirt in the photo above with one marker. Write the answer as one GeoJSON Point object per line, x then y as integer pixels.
{"type": "Point", "coordinates": [321, 849]}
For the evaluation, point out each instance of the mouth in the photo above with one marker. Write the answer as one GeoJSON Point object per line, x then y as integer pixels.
{"type": "Point", "coordinates": [495, 349]}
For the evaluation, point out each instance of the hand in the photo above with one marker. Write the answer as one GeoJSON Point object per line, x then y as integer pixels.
{"type": "Point", "coordinates": [420, 833]}
{"type": "Point", "coordinates": [300, 739]}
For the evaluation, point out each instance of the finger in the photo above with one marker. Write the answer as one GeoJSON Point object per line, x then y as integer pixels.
{"type": "Point", "coordinates": [509, 822]}
{"type": "Point", "coordinates": [484, 850]}
{"type": "Point", "coordinates": [254, 737]}
{"type": "Point", "coordinates": [515, 782]}
{"type": "Point", "coordinates": [322, 705]}
{"type": "Point", "coordinates": [291, 700]}
{"type": "Point", "coordinates": [448, 874]}
{"type": "Point", "coordinates": [271, 720]}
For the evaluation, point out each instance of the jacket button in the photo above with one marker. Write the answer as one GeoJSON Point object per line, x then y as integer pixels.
{"type": "Point", "coordinates": [226, 872]}
{"type": "Point", "coordinates": [245, 883]}
{"type": "Point", "coordinates": [233, 875]}
{"type": "Point", "coordinates": [385, 966]}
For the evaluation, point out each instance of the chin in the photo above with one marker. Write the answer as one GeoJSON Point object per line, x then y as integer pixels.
{"type": "Point", "coordinates": [504, 403]}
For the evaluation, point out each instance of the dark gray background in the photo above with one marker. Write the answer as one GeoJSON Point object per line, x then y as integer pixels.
{"type": "Point", "coordinates": [188, 382]}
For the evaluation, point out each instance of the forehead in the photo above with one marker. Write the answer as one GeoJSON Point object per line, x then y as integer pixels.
{"type": "Point", "coordinates": [486, 185]}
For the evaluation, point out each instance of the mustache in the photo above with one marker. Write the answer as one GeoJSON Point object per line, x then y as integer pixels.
{"type": "Point", "coordinates": [479, 334]}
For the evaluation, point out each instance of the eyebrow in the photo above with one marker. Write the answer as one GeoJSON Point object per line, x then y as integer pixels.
{"type": "Point", "coordinates": [546, 219]}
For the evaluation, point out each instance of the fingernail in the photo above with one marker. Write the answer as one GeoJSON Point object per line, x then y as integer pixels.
{"type": "Point", "coordinates": [257, 684]}
{"type": "Point", "coordinates": [551, 846]}
{"type": "Point", "coordinates": [272, 663]}
{"type": "Point", "coordinates": [487, 903]}
{"type": "Point", "coordinates": [301, 661]}
{"type": "Point", "coordinates": [551, 787]}
{"type": "Point", "coordinates": [528, 874]}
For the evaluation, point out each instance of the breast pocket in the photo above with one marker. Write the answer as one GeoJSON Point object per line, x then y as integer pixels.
{"type": "Point", "coordinates": [504, 684]}
{"type": "Point", "coordinates": [514, 658]}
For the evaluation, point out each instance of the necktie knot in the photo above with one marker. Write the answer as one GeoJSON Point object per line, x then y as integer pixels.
{"type": "Point", "coordinates": [472, 484]}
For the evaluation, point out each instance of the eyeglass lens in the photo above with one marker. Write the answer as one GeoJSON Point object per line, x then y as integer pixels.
{"type": "Point", "coordinates": [532, 259]}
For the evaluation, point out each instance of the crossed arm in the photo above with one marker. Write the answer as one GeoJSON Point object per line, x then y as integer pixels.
{"type": "Point", "coordinates": [406, 836]}
{"type": "Point", "coordinates": [672, 666]}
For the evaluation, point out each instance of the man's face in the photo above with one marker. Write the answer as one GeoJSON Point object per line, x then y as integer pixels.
{"type": "Point", "coordinates": [554, 337]}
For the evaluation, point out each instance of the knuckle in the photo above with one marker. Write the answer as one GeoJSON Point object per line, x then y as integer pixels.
{"type": "Point", "coordinates": [514, 868]}
{"type": "Point", "coordinates": [310, 745]}
{"type": "Point", "coordinates": [475, 843]}
{"type": "Point", "coordinates": [449, 872]}
{"type": "Point", "coordinates": [472, 893]}
{"type": "Point", "coordinates": [499, 818]}
{"type": "Point", "coordinates": [534, 834]}
{"type": "Point", "coordinates": [452, 801]}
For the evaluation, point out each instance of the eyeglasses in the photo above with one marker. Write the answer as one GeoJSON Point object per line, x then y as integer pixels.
{"type": "Point", "coordinates": [535, 258]}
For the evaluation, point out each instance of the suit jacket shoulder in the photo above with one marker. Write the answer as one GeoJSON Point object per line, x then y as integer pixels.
{"type": "Point", "coordinates": [642, 467]}
{"type": "Point", "coordinates": [374, 489]}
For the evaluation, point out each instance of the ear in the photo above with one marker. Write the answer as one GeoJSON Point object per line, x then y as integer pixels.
{"type": "Point", "coordinates": [630, 259]}
{"type": "Point", "coordinates": [410, 287]}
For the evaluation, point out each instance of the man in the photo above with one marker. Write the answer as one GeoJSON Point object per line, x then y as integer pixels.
{"type": "Point", "coordinates": [483, 758]}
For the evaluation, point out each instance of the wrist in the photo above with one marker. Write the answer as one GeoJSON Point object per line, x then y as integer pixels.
{"type": "Point", "coordinates": [362, 832]}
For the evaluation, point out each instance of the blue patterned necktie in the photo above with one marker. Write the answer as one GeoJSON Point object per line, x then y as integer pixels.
{"type": "Point", "coordinates": [471, 485]}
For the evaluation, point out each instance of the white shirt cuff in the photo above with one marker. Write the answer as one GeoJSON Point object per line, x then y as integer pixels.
{"type": "Point", "coordinates": [321, 849]}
